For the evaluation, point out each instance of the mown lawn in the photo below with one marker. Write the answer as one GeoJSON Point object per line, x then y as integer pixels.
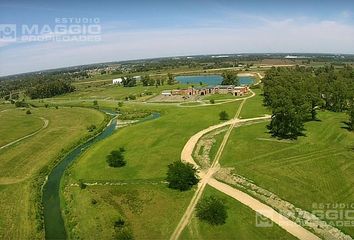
{"type": "Point", "coordinates": [15, 123]}
{"type": "Point", "coordinates": [150, 146]}
{"type": "Point", "coordinates": [117, 92]}
{"type": "Point", "coordinates": [149, 211]}
{"type": "Point", "coordinates": [19, 163]}
{"type": "Point", "coordinates": [253, 107]}
{"type": "Point", "coordinates": [240, 224]}
{"type": "Point", "coordinates": [152, 212]}
{"type": "Point", "coordinates": [316, 168]}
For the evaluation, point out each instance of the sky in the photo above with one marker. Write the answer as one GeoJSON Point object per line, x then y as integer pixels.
{"type": "Point", "coordinates": [125, 30]}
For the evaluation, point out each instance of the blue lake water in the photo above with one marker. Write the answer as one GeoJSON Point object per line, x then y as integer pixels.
{"type": "Point", "coordinates": [211, 79]}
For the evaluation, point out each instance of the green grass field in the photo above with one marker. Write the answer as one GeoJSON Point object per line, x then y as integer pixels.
{"type": "Point", "coordinates": [150, 211]}
{"type": "Point", "coordinates": [240, 224]}
{"type": "Point", "coordinates": [150, 146]}
{"type": "Point", "coordinates": [19, 163]}
{"type": "Point", "coordinates": [317, 168]}
{"type": "Point", "coordinates": [116, 92]}
{"type": "Point", "coordinates": [253, 107]}
{"type": "Point", "coordinates": [15, 124]}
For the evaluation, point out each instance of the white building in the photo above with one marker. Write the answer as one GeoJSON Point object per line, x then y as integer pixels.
{"type": "Point", "coordinates": [166, 93]}
{"type": "Point", "coordinates": [117, 81]}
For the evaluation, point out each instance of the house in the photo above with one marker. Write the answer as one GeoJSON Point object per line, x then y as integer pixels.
{"type": "Point", "coordinates": [219, 89]}
{"type": "Point", "coordinates": [166, 93]}
{"type": "Point", "coordinates": [117, 81]}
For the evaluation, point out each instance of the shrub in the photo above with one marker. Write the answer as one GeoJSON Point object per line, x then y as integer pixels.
{"type": "Point", "coordinates": [91, 128]}
{"type": "Point", "coordinates": [28, 112]}
{"type": "Point", "coordinates": [116, 159]}
{"type": "Point", "coordinates": [119, 223]}
{"type": "Point", "coordinates": [212, 101]}
{"type": "Point", "coordinates": [82, 185]}
{"type": "Point", "coordinates": [212, 210]}
{"type": "Point", "coordinates": [93, 201]}
{"type": "Point", "coordinates": [223, 115]}
{"type": "Point", "coordinates": [124, 234]}
{"type": "Point", "coordinates": [181, 176]}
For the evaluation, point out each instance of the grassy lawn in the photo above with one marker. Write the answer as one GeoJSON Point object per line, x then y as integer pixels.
{"type": "Point", "coordinates": [150, 211]}
{"type": "Point", "coordinates": [317, 168]}
{"type": "Point", "coordinates": [15, 124]}
{"type": "Point", "coordinates": [253, 107]}
{"type": "Point", "coordinates": [20, 162]}
{"type": "Point", "coordinates": [118, 92]}
{"type": "Point", "coordinates": [240, 224]}
{"type": "Point", "coordinates": [150, 146]}
{"type": "Point", "coordinates": [220, 97]}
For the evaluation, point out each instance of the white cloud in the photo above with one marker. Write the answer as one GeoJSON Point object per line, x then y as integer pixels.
{"type": "Point", "coordinates": [288, 35]}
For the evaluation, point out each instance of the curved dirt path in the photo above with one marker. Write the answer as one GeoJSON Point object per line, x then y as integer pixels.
{"type": "Point", "coordinates": [206, 177]}
{"type": "Point", "coordinates": [45, 125]}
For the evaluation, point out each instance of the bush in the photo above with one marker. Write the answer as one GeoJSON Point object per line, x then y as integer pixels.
{"type": "Point", "coordinates": [116, 159]}
{"type": "Point", "coordinates": [119, 223]}
{"type": "Point", "coordinates": [93, 201]}
{"type": "Point", "coordinates": [212, 210]}
{"type": "Point", "coordinates": [223, 115]}
{"type": "Point", "coordinates": [91, 128]}
{"type": "Point", "coordinates": [82, 185]}
{"type": "Point", "coordinates": [181, 176]}
{"type": "Point", "coordinates": [212, 101]}
{"type": "Point", "coordinates": [28, 112]}
{"type": "Point", "coordinates": [21, 104]}
{"type": "Point", "coordinates": [124, 234]}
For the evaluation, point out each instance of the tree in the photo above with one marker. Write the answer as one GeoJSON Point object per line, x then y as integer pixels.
{"type": "Point", "coordinates": [116, 159]}
{"type": "Point", "coordinates": [223, 115]}
{"type": "Point", "coordinates": [212, 210]}
{"type": "Point", "coordinates": [128, 81]}
{"type": "Point", "coordinates": [146, 80]}
{"type": "Point", "coordinates": [170, 79]}
{"type": "Point", "coordinates": [230, 78]}
{"type": "Point", "coordinates": [351, 115]}
{"type": "Point", "coordinates": [181, 176]}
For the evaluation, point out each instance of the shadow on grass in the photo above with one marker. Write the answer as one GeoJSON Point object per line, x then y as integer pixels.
{"type": "Point", "coordinates": [347, 126]}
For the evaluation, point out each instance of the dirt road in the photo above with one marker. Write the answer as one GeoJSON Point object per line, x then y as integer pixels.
{"type": "Point", "coordinates": [206, 177]}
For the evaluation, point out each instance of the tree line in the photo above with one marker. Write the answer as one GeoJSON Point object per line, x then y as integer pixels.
{"type": "Point", "coordinates": [49, 89]}
{"type": "Point", "coordinates": [295, 94]}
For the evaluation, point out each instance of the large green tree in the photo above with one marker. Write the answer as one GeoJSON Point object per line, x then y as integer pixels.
{"type": "Point", "coordinates": [181, 176]}
{"type": "Point", "coordinates": [212, 210]}
{"type": "Point", "coordinates": [230, 78]}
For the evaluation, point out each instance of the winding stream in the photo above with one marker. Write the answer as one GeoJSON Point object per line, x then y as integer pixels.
{"type": "Point", "coordinates": [53, 220]}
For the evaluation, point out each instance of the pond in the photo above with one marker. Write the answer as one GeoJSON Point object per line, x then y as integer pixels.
{"type": "Point", "coordinates": [210, 80]}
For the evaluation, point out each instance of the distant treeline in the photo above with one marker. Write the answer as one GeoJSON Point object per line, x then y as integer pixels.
{"type": "Point", "coordinates": [295, 94]}
{"type": "Point", "coordinates": [49, 89]}
{"type": "Point", "coordinates": [37, 86]}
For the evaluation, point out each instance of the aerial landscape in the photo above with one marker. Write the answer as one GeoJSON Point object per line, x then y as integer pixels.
{"type": "Point", "coordinates": [177, 120]}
